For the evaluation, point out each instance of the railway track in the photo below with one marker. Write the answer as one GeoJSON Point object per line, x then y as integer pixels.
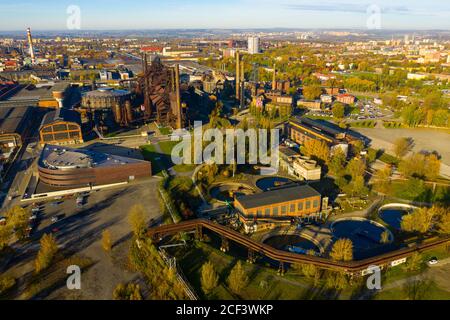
{"type": "Point", "coordinates": [352, 267]}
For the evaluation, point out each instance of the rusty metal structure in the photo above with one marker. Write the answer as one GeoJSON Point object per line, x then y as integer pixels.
{"type": "Point", "coordinates": [159, 86]}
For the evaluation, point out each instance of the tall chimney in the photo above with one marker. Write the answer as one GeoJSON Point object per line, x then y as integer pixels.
{"type": "Point", "coordinates": [177, 91]}
{"type": "Point", "coordinates": [30, 44]}
{"type": "Point", "coordinates": [274, 78]}
{"type": "Point", "coordinates": [238, 77]}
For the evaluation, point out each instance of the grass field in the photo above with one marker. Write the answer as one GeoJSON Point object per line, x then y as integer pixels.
{"type": "Point", "coordinates": [163, 161]}
{"type": "Point", "coordinates": [431, 292]}
{"type": "Point", "coordinates": [263, 283]}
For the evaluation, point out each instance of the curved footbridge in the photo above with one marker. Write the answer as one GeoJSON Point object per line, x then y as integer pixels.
{"type": "Point", "coordinates": [359, 267]}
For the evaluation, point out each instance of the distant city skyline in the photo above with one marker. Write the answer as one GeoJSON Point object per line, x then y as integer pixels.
{"type": "Point", "coordinates": [238, 14]}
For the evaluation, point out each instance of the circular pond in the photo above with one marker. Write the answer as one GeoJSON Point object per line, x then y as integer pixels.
{"type": "Point", "coordinates": [366, 236]}
{"type": "Point", "coordinates": [393, 214]}
{"type": "Point", "coordinates": [228, 191]}
{"type": "Point", "coordinates": [271, 182]}
{"type": "Point", "coordinates": [292, 243]}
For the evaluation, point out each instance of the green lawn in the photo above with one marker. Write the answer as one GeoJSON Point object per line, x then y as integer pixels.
{"type": "Point", "coordinates": [263, 283]}
{"type": "Point", "coordinates": [163, 161]}
{"type": "Point", "coordinates": [433, 292]}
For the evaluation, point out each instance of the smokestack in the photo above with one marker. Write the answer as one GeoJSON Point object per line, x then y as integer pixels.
{"type": "Point", "coordinates": [238, 77]}
{"type": "Point", "coordinates": [274, 78]}
{"type": "Point", "coordinates": [242, 71]}
{"type": "Point", "coordinates": [147, 102]}
{"type": "Point", "coordinates": [30, 44]}
{"type": "Point", "coordinates": [177, 91]}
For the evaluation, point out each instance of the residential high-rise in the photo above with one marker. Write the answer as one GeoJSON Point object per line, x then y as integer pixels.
{"type": "Point", "coordinates": [253, 45]}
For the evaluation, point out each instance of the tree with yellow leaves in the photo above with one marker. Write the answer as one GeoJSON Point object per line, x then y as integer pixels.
{"type": "Point", "coordinates": [342, 250]}
{"type": "Point", "coordinates": [46, 253]}
{"type": "Point", "coordinates": [136, 218]}
{"type": "Point", "coordinates": [209, 277]}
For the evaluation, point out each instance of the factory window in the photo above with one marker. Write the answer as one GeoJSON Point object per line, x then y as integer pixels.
{"type": "Point", "coordinates": [300, 206]}
{"type": "Point", "coordinates": [283, 209]}
{"type": "Point", "coordinates": [61, 136]}
{"type": "Point", "coordinates": [308, 205]}
{"type": "Point", "coordinates": [47, 129]}
{"type": "Point", "coordinates": [292, 208]}
{"type": "Point", "coordinates": [267, 212]}
{"type": "Point", "coordinates": [316, 203]}
{"type": "Point", "coordinates": [251, 213]}
{"type": "Point", "coordinates": [60, 127]}
{"type": "Point", "coordinates": [73, 127]}
{"type": "Point", "coordinates": [259, 213]}
{"type": "Point", "coordinates": [74, 135]}
{"type": "Point", "coordinates": [275, 211]}
{"type": "Point", "coordinates": [47, 137]}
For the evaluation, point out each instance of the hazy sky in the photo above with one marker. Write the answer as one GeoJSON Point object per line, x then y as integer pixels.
{"type": "Point", "coordinates": [151, 14]}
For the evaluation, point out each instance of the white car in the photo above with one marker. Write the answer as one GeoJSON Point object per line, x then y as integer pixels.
{"type": "Point", "coordinates": [54, 219]}
{"type": "Point", "coordinates": [433, 261]}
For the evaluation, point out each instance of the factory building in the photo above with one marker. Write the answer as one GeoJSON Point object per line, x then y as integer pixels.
{"type": "Point", "coordinates": [105, 98]}
{"type": "Point", "coordinates": [71, 168]}
{"type": "Point", "coordinates": [15, 123]}
{"type": "Point", "coordinates": [301, 130]}
{"type": "Point", "coordinates": [60, 127]}
{"type": "Point", "coordinates": [278, 204]}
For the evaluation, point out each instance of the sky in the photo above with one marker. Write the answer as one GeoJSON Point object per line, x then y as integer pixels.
{"type": "Point", "coordinates": [189, 14]}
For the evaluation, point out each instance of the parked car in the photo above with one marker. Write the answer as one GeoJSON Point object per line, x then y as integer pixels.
{"type": "Point", "coordinates": [54, 219]}
{"type": "Point", "coordinates": [2, 221]}
{"type": "Point", "coordinates": [433, 261]}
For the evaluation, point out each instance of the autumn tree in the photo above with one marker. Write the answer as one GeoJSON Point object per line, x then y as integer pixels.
{"type": "Point", "coordinates": [444, 224]}
{"type": "Point", "coordinates": [106, 241]}
{"type": "Point", "coordinates": [130, 291]}
{"type": "Point", "coordinates": [402, 146]}
{"type": "Point", "coordinates": [316, 149]}
{"type": "Point", "coordinates": [417, 289]}
{"type": "Point", "coordinates": [312, 92]}
{"type": "Point", "coordinates": [336, 280]}
{"type": "Point", "coordinates": [237, 280]}
{"type": "Point", "coordinates": [336, 164]}
{"type": "Point", "coordinates": [420, 220]}
{"type": "Point", "coordinates": [420, 165]}
{"type": "Point", "coordinates": [342, 250]}
{"type": "Point", "coordinates": [383, 179]}
{"type": "Point", "coordinates": [209, 277]}
{"type": "Point", "coordinates": [136, 218]}
{"type": "Point", "coordinates": [413, 263]}
{"type": "Point", "coordinates": [6, 234]}
{"type": "Point", "coordinates": [46, 253]}
{"type": "Point", "coordinates": [338, 110]}
{"type": "Point", "coordinates": [357, 186]}
{"type": "Point", "coordinates": [307, 269]}
{"type": "Point", "coordinates": [356, 168]}
{"type": "Point", "coordinates": [18, 219]}
{"type": "Point", "coordinates": [357, 147]}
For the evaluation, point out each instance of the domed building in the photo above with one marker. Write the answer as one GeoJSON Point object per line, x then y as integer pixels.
{"type": "Point", "coordinates": [72, 168]}
{"type": "Point", "coordinates": [105, 98]}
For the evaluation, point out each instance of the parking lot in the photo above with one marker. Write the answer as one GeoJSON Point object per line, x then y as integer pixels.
{"type": "Point", "coordinates": [79, 230]}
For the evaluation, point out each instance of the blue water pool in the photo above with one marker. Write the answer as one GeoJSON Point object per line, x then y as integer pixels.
{"type": "Point", "coordinates": [393, 216]}
{"type": "Point", "coordinates": [365, 235]}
